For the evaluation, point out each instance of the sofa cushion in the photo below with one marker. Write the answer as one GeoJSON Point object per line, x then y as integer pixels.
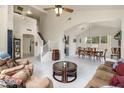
{"type": "Point", "coordinates": [3, 67]}
{"type": "Point", "coordinates": [109, 63]}
{"type": "Point", "coordinates": [120, 69]}
{"type": "Point", "coordinates": [96, 82]}
{"type": "Point", "coordinates": [36, 82]}
{"type": "Point", "coordinates": [13, 70]}
{"type": "Point", "coordinates": [101, 78]}
{"type": "Point", "coordinates": [21, 75]}
{"type": "Point", "coordinates": [117, 81]}
{"type": "Point", "coordinates": [106, 68]}
{"type": "Point", "coordinates": [106, 76]}
{"type": "Point", "coordinates": [22, 61]}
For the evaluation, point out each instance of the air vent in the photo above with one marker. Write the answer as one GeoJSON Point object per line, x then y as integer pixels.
{"type": "Point", "coordinates": [20, 8]}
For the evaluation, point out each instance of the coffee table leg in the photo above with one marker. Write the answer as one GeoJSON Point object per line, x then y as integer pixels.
{"type": "Point", "coordinates": [64, 77]}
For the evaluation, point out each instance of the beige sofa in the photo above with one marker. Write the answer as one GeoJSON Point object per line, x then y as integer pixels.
{"type": "Point", "coordinates": [102, 77]}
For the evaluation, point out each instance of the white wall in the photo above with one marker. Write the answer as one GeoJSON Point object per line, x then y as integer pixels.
{"type": "Point", "coordinates": [72, 46]}
{"type": "Point", "coordinates": [122, 41]}
{"type": "Point", "coordinates": [3, 27]}
{"type": "Point", "coordinates": [10, 17]}
{"type": "Point", "coordinates": [21, 27]}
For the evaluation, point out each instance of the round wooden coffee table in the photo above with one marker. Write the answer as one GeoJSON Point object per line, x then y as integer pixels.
{"type": "Point", "coordinates": [65, 69]}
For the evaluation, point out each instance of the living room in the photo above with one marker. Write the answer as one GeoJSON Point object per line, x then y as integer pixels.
{"type": "Point", "coordinates": [48, 45]}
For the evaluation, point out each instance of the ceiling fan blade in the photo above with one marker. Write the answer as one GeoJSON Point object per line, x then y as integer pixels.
{"type": "Point", "coordinates": [50, 8]}
{"type": "Point", "coordinates": [68, 10]}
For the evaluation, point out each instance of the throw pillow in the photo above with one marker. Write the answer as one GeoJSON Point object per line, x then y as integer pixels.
{"type": "Point", "coordinates": [10, 63]}
{"type": "Point", "coordinates": [116, 64]}
{"type": "Point", "coordinates": [2, 83]}
{"type": "Point", "coordinates": [23, 75]}
{"type": "Point", "coordinates": [12, 82]}
{"type": "Point", "coordinates": [117, 81]}
{"type": "Point", "coordinates": [120, 69]}
{"type": "Point", "coordinates": [4, 56]}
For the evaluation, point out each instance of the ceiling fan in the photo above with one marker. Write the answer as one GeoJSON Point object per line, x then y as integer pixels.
{"type": "Point", "coordinates": [59, 9]}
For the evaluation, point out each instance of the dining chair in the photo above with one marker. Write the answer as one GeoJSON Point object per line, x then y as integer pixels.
{"type": "Point", "coordinates": [100, 54]}
{"type": "Point", "coordinates": [90, 52]}
{"type": "Point", "coordinates": [78, 51]}
{"type": "Point", "coordinates": [93, 52]}
{"type": "Point", "coordinates": [82, 52]}
{"type": "Point", "coordinates": [115, 52]}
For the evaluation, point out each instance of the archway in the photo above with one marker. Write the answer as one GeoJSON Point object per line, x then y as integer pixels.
{"type": "Point", "coordinates": [28, 45]}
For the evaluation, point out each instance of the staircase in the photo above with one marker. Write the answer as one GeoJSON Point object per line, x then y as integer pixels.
{"type": "Point", "coordinates": [46, 54]}
{"type": "Point", "coordinates": [45, 49]}
{"type": "Point", "coordinates": [41, 36]}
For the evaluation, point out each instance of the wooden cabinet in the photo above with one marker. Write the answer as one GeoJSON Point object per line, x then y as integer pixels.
{"type": "Point", "coordinates": [16, 48]}
{"type": "Point", "coordinates": [55, 54]}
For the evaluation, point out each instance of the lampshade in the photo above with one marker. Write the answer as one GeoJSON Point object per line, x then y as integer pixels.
{"type": "Point", "coordinates": [58, 11]}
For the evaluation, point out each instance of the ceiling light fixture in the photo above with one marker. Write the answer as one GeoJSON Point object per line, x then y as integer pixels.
{"type": "Point", "coordinates": [58, 10]}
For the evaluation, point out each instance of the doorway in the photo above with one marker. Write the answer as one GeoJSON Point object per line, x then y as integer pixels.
{"type": "Point", "coordinates": [28, 45]}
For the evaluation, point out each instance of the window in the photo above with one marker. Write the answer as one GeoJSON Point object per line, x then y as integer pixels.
{"type": "Point", "coordinates": [104, 39]}
{"type": "Point", "coordinates": [95, 40]}
{"type": "Point", "coordinates": [89, 40]}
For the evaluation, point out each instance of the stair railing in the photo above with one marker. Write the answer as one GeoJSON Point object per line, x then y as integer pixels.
{"type": "Point", "coordinates": [46, 48]}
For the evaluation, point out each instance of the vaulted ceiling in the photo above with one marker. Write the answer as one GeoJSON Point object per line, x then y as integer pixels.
{"type": "Point", "coordinates": [37, 10]}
